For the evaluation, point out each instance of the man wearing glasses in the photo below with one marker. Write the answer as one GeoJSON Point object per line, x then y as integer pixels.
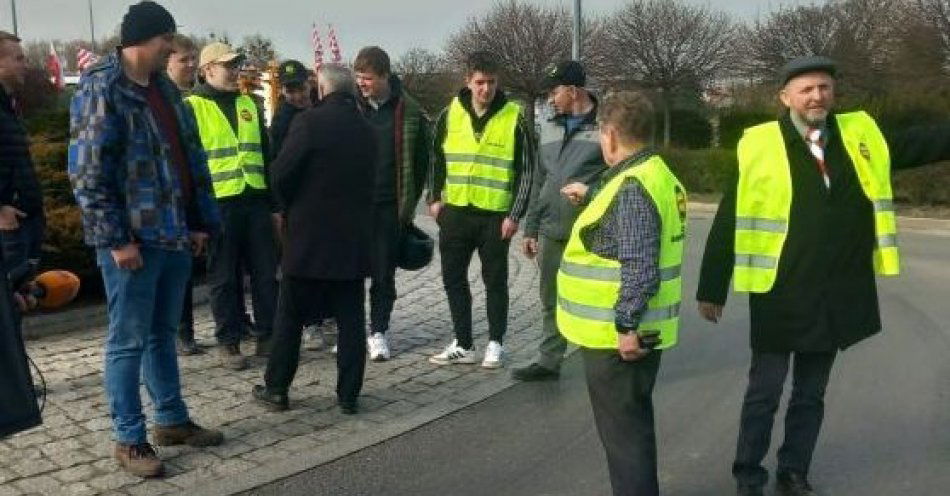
{"type": "Point", "coordinates": [234, 137]}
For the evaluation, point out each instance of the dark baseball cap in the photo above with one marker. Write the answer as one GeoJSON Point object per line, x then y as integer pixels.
{"type": "Point", "coordinates": [804, 65]}
{"type": "Point", "coordinates": [566, 73]}
{"type": "Point", "coordinates": [292, 72]}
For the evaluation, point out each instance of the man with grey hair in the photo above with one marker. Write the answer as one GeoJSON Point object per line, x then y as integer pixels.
{"type": "Point", "coordinates": [322, 168]}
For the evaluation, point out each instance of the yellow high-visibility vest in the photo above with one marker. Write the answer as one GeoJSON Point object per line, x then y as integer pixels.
{"type": "Point", "coordinates": [480, 172]}
{"type": "Point", "coordinates": [234, 161]}
{"type": "Point", "coordinates": [764, 198]}
{"type": "Point", "coordinates": [588, 285]}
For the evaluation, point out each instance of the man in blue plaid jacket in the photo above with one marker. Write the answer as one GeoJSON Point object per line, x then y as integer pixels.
{"type": "Point", "coordinates": [141, 178]}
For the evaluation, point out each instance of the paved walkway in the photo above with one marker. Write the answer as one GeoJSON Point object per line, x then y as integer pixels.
{"type": "Point", "coordinates": [71, 453]}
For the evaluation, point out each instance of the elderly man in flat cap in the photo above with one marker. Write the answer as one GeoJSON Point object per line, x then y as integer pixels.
{"type": "Point", "coordinates": [803, 230]}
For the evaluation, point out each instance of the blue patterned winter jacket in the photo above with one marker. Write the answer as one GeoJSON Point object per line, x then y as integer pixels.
{"type": "Point", "coordinates": [120, 167]}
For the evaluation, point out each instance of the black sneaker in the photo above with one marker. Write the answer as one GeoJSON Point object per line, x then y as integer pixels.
{"type": "Point", "coordinates": [274, 402]}
{"type": "Point", "coordinates": [535, 372]}
{"type": "Point", "coordinates": [792, 484]}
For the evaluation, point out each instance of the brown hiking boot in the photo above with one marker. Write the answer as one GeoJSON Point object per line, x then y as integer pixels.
{"type": "Point", "coordinates": [188, 433]}
{"type": "Point", "coordinates": [139, 459]}
{"type": "Point", "coordinates": [231, 357]}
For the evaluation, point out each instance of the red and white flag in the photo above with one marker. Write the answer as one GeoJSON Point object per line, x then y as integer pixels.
{"type": "Point", "coordinates": [317, 48]}
{"type": "Point", "coordinates": [55, 68]}
{"type": "Point", "coordinates": [85, 59]}
{"type": "Point", "coordinates": [334, 45]}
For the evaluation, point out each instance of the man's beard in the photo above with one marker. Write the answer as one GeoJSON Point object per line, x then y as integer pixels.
{"type": "Point", "coordinates": [815, 117]}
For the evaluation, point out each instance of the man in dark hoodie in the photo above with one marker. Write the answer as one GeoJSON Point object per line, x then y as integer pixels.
{"type": "Point", "coordinates": [482, 170]}
{"type": "Point", "coordinates": [295, 98]}
{"type": "Point", "coordinates": [402, 137]}
{"type": "Point", "coordinates": [234, 137]}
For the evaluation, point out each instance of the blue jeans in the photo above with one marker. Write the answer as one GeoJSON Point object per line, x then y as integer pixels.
{"type": "Point", "coordinates": [144, 310]}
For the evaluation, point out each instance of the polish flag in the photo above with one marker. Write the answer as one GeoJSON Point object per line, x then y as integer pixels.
{"type": "Point", "coordinates": [55, 68]}
{"type": "Point", "coordinates": [334, 45]}
{"type": "Point", "coordinates": [317, 48]}
{"type": "Point", "coordinates": [85, 59]}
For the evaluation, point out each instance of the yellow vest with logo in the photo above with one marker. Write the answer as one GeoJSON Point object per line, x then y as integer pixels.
{"type": "Point", "coordinates": [588, 285]}
{"type": "Point", "coordinates": [764, 198]}
{"type": "Point", "coordinates": [480, 172]}
{"type": "Point", "coordinates": [234, 161]}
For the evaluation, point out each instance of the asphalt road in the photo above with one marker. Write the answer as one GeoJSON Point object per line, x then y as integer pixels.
{"type": "Point", "coordinates": [886, 431]}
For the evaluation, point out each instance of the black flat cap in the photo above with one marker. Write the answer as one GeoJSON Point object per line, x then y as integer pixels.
{"type": "Point", "coordinates": [803, 65]}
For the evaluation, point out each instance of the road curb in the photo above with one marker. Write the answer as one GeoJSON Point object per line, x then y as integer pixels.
{"type": "Point", "coordinates": [39, 326]}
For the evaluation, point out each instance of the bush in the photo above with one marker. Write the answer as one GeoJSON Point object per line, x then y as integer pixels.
{"type": "Point", "coordinates": [63, 247]}
{"type": "Point", "coordinates": [734, 121]}
{"type": "Point", "coordinates": [710, 170]}
{"type": "Point", "coordinates": [929, 185]}
{"type": "Point", "coordinates": [690, 129]}
{"type": "Point", "coordinates": [702, 171]}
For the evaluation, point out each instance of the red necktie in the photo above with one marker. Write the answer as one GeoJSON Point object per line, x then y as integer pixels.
{"type": "Point", "coordinates": [815, 145]}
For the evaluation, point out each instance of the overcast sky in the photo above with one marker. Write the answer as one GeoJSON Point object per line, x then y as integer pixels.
{"type": "Point", "coordinates": [396, 25]}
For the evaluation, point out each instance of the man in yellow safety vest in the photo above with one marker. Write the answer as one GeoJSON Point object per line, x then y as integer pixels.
{"type": "Point", "coordinates": [803, 229]}
{"type": "Point", "coordinates": [482, 170]}
{"type": "Point", "coordinates": [619, 286]}
{"type": "Point", "coordinates": [235, 140]}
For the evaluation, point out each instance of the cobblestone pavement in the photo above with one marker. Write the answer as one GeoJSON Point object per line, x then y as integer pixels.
{"type": "Point", "coordinates": [71, 453]}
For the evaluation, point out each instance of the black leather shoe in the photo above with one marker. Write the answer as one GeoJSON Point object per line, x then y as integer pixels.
{"type": "Point", "coordinates": [792, 484]}
{"type": "Point", "coordinates": [745, 490]}
{"type": "Point", "coordinates": [189, 348]}
{"type": "Point", "coordinates": [535, 372]}
{"type": "Point", "coordinates": [274, 402]}
{"type": "Point", "coordinates": [348, 407]}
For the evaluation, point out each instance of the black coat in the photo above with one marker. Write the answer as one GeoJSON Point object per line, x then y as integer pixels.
{"type": "Point", "coordinates": [19, 186]}
{"type": "Point", "coordinates": [824, 297]}
{"type": "Point", "coordinates": [323, 180]}
{"type": "Point", "coordinates": [280, 126]}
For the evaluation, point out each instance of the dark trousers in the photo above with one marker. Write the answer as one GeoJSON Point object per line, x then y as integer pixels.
{"type": "Point", "coordinates": [621, 395]}
{"type": "Point", "coordinates": [461, 234]}
{"type": "Point", "coordinates": [382, 290]}
{"type": "Point", "coordinates": [803, 419]}
{"type": "Point", "coordinates": [247, 238]}
{"type": "Point", "coordinates": [301, 301]}
{"type": "Point", "coordinates": [552, 346]}
{"type": "Point", "coordinates": [186, 326]}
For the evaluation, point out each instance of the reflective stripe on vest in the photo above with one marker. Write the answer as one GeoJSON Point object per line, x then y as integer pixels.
{"type": "Point", "coordinates": [234, 161]}
{"type": "Point", "coordinates": [479, 172]}
{"type": "Point", "coordinates": [764, 198]}
{"type": "Point", "coordinates": [588, 285]}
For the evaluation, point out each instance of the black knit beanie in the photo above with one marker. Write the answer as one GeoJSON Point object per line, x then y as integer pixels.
{"type": "Point", "coordinates": [144, 21]}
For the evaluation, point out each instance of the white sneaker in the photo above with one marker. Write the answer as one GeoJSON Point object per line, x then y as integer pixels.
{"type": "Point", "coordinates": [378, 347]}
{"type": "Point", "coordinates": [453, 353]}
{"type": "Point", "coordinates": [312, 340]}
{"type": "Point", "coordinates": [493, 353]}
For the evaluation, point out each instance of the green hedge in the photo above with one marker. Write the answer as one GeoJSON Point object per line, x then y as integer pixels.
{"type": "Point", "coordinates": [710, 170]}
{"type": "Point", "coordinates": [63, 247]}
{"type": "Point", "coordinates": [702, 171]}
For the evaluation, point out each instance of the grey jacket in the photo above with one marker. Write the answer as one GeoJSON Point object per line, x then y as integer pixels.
{"type": "Point", "coordinates": [564, 159]}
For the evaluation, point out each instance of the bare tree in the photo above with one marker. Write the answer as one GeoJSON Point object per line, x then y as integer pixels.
{"type": "Point", "coordinates": [526, 37]}
{"type": "Point", "coordinates": [938, 13]}
{"type": "Point", "coordinates": [669, 45]}
{"type": "Point", "coordinates": [786, 33]}
{"type": "Point", "coordinates": [428, 77]}
{"type": "Point", "coordinates": [259, 50]}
